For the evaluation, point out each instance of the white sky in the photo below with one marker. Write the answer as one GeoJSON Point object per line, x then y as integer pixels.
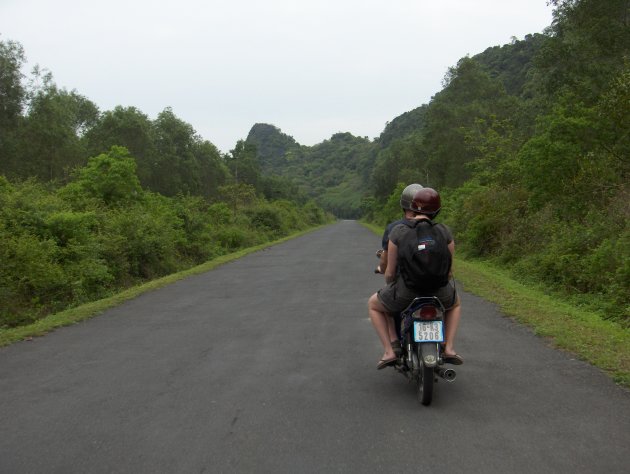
{"type": "Point", "coordinates": [311, 68]}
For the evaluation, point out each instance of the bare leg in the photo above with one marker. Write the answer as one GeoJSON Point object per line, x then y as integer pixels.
{"type": "Point", "coordinates": [391, 328]}
{"type": "Point", "coordinates": [453, 316]}
{"type": "Point", "coordinates": [379, 319]}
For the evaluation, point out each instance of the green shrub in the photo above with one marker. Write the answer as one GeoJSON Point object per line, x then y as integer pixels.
{"type": "Point", "coordinates": [109, 178]}
{"type": "Point", "coordinates": [219, 214]}
{"type": "Point", "coordinates": [486, 219]}
{"type": "Point", "coordinates": [197, 244]}
{"type": "Point", "coordinates": [102, 233]}
{"type": "Point", "coordinates": [32, 279]}
{"type": "Point", "coordinates": [268, 219]}
{"type": "Point", "coordinates": [143, 239]}
{"type": "Point", "coordinates": [67, 226]}
{"type": "Point", "coordinates": [313, 214]}
{"type": "Point", "coordinates": [232, 238]}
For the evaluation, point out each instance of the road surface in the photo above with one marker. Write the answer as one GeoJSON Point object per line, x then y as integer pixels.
{"type": "Point", "coordinates": [267, 364]}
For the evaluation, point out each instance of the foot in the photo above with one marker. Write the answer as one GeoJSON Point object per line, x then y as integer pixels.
{"type": "Point", "coordinates": [386, 363]}
{"type": "Point", "coordinates": [453, 358]}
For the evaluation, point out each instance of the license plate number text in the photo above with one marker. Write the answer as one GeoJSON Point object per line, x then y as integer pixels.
{"type": "Point", "coordinates": [428, 331]}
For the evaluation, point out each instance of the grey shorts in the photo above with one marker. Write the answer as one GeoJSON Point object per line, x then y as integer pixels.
{"type": "Point", "coordinates": [395, 297]}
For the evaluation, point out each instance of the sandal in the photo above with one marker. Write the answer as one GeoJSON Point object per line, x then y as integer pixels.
{"type": "Point", "coordinates": [454, 359]}
{"type": "Point", "coordinates": [386, 363]}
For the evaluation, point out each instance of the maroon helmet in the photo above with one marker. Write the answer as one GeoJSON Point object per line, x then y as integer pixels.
{"type": "Point", "coordinates": [426, 201]}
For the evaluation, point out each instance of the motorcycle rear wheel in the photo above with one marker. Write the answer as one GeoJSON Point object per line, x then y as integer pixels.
{"type": "Point", "coordinates": [425, 384]}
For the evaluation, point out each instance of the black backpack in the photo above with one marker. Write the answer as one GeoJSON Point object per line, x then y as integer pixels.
{"type": "Point", "coordinates": [424, 257]}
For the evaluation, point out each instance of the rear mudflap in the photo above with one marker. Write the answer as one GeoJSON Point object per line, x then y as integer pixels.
{"type": "Point", "coordinates": [429, 353]}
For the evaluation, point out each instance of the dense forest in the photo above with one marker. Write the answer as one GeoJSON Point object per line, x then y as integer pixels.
{"type": "Point", "coordinates": [528, 143]}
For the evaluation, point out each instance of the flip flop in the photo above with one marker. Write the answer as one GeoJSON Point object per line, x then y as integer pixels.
{"type": "Point", "coordinates": [454, 359]}
{"type": "Point", "coordinates": [385, 363]}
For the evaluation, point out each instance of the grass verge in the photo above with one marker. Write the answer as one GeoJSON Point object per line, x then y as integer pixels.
{"type": "Point", "coordinates": [605, 344]}
{"type": "Point", "coordinates": [88, 310]}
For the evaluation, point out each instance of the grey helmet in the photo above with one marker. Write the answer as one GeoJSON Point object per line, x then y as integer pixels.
{"type": "Point", "coordinates": [407, 195]}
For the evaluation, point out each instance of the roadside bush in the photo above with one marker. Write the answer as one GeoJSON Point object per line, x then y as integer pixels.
{"type": "Point", "coordinates": [79, 254]}
{"type": "Point", "coordinates": [102, 232]}
{"type": "Point", "coordinates": [290, 213]}
{"type": "Point", "coordinates": [219, 214]}
{"type": "Point", "coordinates": [486, 219]}
{"type": "Point", "coordinates": [268, 219]}
{"type": "Point", "coordinates": [142, 239]}
{"type": "Point", "coordinates": [109, 178]}
{"type": "Point", "coordinates": [232, 238]}
{"type": "Point", "coordinates": [32, 280]}
{"type": "Point", "coordinates": [197, 221]}
{"type": "Point", "coordinates": [313, 214]}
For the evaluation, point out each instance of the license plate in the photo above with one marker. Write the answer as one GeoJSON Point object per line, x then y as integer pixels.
{"type": "Point", "coordinates": [428, 331]}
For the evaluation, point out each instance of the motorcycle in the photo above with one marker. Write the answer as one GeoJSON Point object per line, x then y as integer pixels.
{"type": "Point", "coordinates": [420, 328]}
{"type": "Point", "coordinates": [422, 332]}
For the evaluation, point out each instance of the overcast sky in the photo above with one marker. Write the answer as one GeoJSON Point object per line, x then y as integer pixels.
{"type": "Point", "coordinates": [312, 68]}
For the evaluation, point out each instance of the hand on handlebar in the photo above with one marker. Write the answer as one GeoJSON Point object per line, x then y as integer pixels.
{"type": "Point", "coordinates": [379, 253]}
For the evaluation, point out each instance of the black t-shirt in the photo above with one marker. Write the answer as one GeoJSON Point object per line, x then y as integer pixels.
{"type": "Point", "coordinates": [388, 230]}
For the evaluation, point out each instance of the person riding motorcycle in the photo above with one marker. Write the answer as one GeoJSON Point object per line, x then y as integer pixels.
{"type": "Point", "coordinates": [396, 296]}
{"type": "Point", "coordinates": [405, 202]}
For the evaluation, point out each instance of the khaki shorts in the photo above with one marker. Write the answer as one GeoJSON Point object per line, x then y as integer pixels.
{"type": "Point", "coordinates": [395, 297]}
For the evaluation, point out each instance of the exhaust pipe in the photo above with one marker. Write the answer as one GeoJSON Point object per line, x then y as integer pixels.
{"type": "Point", "coordinates": [447, 374]}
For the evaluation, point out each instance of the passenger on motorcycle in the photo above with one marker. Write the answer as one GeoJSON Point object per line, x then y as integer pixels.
{"type": "Point", "coordinates": [417, 203]}
{"type": "Point", "coordinates": [393, 322]}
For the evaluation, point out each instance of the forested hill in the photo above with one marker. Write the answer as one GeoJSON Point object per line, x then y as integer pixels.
{"type": "Point", "coordinates": [334, 172]}
{"type": "Point", "coordinates": [274, 148]}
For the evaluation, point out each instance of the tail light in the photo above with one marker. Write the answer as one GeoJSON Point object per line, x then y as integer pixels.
{"type": "Point", "coordinates": [426, 312]}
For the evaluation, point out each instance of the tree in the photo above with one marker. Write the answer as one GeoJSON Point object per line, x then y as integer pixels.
{"type": "Point", "coordinates": [243, 163]}
{"type": "Point", "coordinates": [585, 49]}
{"type": "Point", "coordinates": [12, 93]}
{"type": "Point", "coordinates": [213, 172]}
{"type": "Point", "coordinates": [50, 144]}
{"type": "Point", "coordinates": [174, 169]}
{"type": "Point", "coordinates": [469, 94]}
{"type": "Point", "coordinates": [12, 98]}
{"type": "Point", "coordinates": [129, 128]}
{"type": "Point", "coordinates": [238, 196]}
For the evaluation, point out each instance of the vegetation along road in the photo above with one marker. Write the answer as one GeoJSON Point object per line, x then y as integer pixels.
{"type": "Point", "coordinates": [267, 364]}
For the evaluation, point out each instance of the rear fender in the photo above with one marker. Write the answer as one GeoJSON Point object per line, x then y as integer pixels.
{"type": "Point", "coordinates": [429, 354]}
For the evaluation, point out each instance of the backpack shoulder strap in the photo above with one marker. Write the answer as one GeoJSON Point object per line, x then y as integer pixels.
{"type": "Point", "coordinates": [411, 223]}
{"type": "Point", "coordinates": [424, 221]}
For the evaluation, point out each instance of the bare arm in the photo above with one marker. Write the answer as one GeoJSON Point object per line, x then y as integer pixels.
{"type": "Point", "coordinates": [382, 263]}
{"type": "Point", "coordinates": [392, 257]}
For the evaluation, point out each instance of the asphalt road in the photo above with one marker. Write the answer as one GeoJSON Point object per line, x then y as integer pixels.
{"type": "Point", "coordinates": [267, 364]}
